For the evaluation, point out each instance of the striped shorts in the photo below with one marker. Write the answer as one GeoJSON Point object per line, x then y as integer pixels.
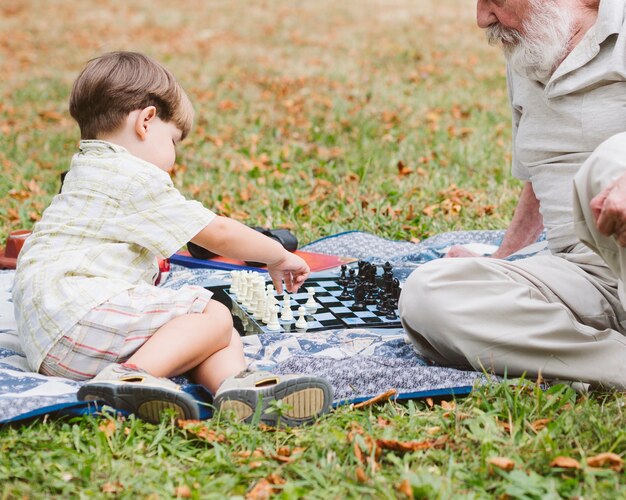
{"type": "Point", "coordinates": [116, 329]}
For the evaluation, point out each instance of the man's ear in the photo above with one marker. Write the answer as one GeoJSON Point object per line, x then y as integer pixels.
{"type": "Point", "coordinates": [143, 121]}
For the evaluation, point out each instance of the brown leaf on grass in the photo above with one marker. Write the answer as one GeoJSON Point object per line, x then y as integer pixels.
{"type": "Point", "coordinates": [286, 455]}
{"type": "Point", "coordinates": [262, 490]}
{"type": "Point", "coordinates": [377, 399]}
{"type": "Point", "coordinates": [361, 476]}
{"type": "Point", "coordinates": [612, 460]}
{"type": "Point", "coordinates": [429, 211]}
{"type": "Point", "coordinates": [13, 215]}
{"type": "Point", "coordinates": [183, 491]}
{"type": "Point", "coordinates": [404, 488]}
{"type": "Point", "coordinates": [383, 422]}
{"type": "Point", "coordinates": [227, 105]}
{"type": "Point", "coordinates": [565, 463]}
{"type": "Point", "coordinates": [407, 446]}
{"type": "Point", "coordinates": [107, 427]}
{"type": "Point", "coordinates": [502, 463]}
{"type": "Point", "coordinates": [403, 170]}
{"type": "Point", "coordinates": [51, 116]}
{"type": "Point", "coordinates": [540, 424]}
{"type": "Point", "coordinates": [197, 428]}
{"type": "Point", "coordinates": [114, 488]}
{"type": "Point", "coordinates": [266, 487]}
{"type": "Point", "coordinates": [505, 425]}
{"type": "Point", "coordinates": [358, 453]}
{"type": "Point", "coordinates": [430, 402]}
{"type": "Point", "coordinates": [448, 405]}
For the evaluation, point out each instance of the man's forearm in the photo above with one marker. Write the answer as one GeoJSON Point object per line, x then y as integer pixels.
{"type": "Point", "coordinates": [526, 225]}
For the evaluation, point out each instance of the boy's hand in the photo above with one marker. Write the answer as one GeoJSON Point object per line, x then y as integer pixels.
{"type": "Point", "coordinates": [291, 269]}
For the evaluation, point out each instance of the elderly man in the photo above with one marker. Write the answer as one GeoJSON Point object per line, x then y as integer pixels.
{"type": "Point", "coordinates": [561, 315]}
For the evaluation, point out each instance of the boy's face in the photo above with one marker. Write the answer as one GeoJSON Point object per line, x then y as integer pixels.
{"type": "Point", "coordinates": [160, 144]}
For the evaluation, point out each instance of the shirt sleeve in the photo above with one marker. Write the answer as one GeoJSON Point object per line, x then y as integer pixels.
{"type": "Point", "coordinates": [160, 219]}
{"type": "Point", "coordinates": [518, 170]}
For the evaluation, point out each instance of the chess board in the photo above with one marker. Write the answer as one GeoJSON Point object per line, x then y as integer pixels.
{"type": "Point", "coordinates": [331, 313]}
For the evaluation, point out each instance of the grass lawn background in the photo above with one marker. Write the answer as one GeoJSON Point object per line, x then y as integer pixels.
{"type": "Point", "coordinates": [319, 116]}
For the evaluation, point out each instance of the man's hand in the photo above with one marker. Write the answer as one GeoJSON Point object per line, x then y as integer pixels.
{"type": "Point", "coordinates": [609, 210]}
{"type": "Point", "coordinates": [459, 251]}
{"type": "Point", "coordinates": [291, 269]}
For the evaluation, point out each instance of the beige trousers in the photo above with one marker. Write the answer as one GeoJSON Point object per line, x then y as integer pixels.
{"type": "Point", "coordinates": [556, 315]}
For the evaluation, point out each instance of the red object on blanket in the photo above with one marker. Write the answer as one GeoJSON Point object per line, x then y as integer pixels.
{"type": "Point", "coordinates": [14, 243]}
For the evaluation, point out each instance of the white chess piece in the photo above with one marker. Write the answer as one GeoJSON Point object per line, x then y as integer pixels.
{"type": "Point", "coordinates": [234, 283]}
{"type": "Point", "coordinates": [286, 313]}
{"type": "Point", "coordinates": [301, 324]}
{"type": "Point", "coordinates": [259, 304]}
{"type": "Point", "coordinates": [242, 287]}
{"type": "Point", "coordinates": [311, 303]}
{"type": "Point", "coordinates": [273, 323]}
{"type": "Point", "coordinates": [269, 303]}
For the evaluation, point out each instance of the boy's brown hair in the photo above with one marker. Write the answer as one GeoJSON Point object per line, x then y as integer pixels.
{"type": "Point", "coordinates": [115, 84]}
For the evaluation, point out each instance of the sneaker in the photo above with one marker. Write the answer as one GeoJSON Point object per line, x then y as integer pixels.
{"type": "Point", "coordinates": [136, 391]}
{"type": "Point", "coordinates": [305, 397]}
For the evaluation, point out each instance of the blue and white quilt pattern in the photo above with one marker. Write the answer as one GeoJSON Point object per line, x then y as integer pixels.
{"type": "Point", "coordinates": [359, 363]}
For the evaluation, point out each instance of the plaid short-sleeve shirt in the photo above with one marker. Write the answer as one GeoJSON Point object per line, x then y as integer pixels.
{"type": "Point", "coordinates": [100, 236]}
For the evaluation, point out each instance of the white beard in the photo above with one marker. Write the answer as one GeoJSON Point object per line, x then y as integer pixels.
{"type": "Point", "coordinates": [545, 42]}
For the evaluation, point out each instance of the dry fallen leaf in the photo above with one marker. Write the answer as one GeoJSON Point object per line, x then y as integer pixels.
{"type": "Point", "coordinates": [183, 491]}
{"type": "Point", "coordinates": [501, 463]}
{"type": "Point", "coordinates": [361, 477]}
{"type": "Point", "coordinates": [377, 399]}
{"type": "Point", "coordinates": [114, 488]}
{"type": "Point", "coordinates": [201, 430]}
{"type": "Point", "coordinates": [408, 446]}
{"type": "Point", "coordinates": [612, 460]}
{"type": "Point", "coordinates": [565, 463]}
{"type": "Point", "coordinates": [262, 490]}
{"type": "Point", "coordinates": [107, 427]}
{"type": "Point", "coordinates": [541, 423]}
{"type": "Point", "coordinates": [404, 488]}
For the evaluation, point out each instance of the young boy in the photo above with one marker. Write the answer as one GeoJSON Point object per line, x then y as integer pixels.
{"type": "Point", "coordinates": [85, 300]}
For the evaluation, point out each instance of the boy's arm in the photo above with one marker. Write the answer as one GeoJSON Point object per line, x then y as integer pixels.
{"type": "Point", "coordinates": [230, 238]}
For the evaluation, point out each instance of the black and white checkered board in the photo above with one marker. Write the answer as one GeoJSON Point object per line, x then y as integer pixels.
{"type": "Point", "coordinates": [332, 313]}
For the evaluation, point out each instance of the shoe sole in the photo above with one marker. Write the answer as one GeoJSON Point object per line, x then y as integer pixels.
{"type": "Point", "coordinates": [305, 398]}
{"type": "Point", "coordinates": [147, 403]}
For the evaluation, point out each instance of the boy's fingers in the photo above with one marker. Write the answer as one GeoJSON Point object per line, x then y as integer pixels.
{"type": "Point", "coordinates": [289, 282]}
{"type": "Point", "coordinates": [278, 285]}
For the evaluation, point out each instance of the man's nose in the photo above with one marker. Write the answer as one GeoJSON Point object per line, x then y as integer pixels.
{"type": "Point", "coordinates": [485, 15]}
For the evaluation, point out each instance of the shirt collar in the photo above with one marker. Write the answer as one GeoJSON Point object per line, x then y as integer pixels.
{"type": "Point", "coordinates": [610, 19]}
{"type": "Point", "coordinates": [100, 147]}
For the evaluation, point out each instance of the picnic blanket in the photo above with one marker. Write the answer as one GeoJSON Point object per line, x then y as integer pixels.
{"type": "Point", "coordinates": [359, 363]}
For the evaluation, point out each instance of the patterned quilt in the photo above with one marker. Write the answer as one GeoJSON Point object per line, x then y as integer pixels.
{"type": "Point", "coordinates": [359, 363]}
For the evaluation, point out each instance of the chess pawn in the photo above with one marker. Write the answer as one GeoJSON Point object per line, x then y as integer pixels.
{"type": "Point", "coordinates": [273, 324]}
{"type": "Point", "coordinates": [286, 313]}
{"type": "Point", "coordinates": [301, 324]}
{"type": "Point", "coordinates": [310, 303]}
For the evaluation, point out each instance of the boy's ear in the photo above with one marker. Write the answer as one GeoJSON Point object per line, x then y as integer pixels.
{"type": "Point", "coordinates": [143, 121]}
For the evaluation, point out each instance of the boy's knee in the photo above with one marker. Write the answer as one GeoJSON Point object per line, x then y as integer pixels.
{"type": "Point", "coordinates": [219, 319]}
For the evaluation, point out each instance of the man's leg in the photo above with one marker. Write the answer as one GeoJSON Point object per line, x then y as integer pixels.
{"type": "Point", "coordinates": [517, 317]}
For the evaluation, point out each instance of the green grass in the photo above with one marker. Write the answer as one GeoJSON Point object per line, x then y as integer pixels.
{"type": "Point", "coordinates": [320, 116]}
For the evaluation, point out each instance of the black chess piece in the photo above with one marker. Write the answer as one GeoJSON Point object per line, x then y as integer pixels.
{"type": "Point", "coordinates": [387, 267]}
{"type": "Point", "coordinates": [345, 294]}
{"type": "Point", "coordinates": [391, 314]}
{"type": "Point", "coordinates": [351, 276]}
{"type": "Point", "coordinates": [343, 279]}
{"type": "Point", "coordinates": [359, 297]}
